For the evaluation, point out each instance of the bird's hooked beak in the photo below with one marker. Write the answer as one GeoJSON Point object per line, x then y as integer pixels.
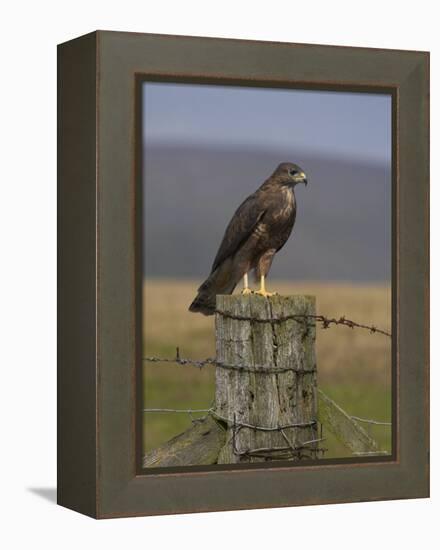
{"type": "Point", "coordinates": [302, 178]}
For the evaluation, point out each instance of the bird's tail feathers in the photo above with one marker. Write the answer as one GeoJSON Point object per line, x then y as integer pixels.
{"type": "Point", "coordinates": [219, 282]}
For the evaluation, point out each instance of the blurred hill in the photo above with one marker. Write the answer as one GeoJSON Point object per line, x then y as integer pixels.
{"type": "Point", "coordinates": [343, 225]}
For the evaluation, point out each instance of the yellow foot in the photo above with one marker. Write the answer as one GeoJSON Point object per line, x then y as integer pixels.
{"type": "Point", "coordinates": [265, 294]}
{"type": "Point", "coordinates": [247, 291]}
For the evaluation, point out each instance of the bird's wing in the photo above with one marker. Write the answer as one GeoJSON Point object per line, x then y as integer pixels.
{"type": "Point", "coordinates": [241, 226]}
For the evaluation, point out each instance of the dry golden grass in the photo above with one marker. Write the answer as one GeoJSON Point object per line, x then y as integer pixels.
{"type": "Point", "coordinates": [354, 366]}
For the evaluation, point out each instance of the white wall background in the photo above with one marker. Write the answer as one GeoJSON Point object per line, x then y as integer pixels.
{"type": "Point", "coordinates": [29, 34]}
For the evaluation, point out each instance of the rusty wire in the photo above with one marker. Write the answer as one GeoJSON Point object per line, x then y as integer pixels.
{"type": "Point", "coordinates": [267, 453]}
{"type": "Point", "coordinates": [200, 363]}
{"type": "Point", "coordinates": [326, 322]}
{"type": "Point", "coordinates": [233, 422]}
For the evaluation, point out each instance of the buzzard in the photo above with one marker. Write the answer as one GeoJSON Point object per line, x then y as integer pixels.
{"type": "Point", "coordinates": [257, 231]}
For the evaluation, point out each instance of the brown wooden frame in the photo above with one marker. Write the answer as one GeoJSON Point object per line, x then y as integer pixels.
{"type": "Point", "coordinates": [99, 353]}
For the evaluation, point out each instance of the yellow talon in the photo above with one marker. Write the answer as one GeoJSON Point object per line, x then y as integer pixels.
{"type": "Point", "coordinates": [246, 290]}
{"type": "Point", "coordinates": [263, 292]}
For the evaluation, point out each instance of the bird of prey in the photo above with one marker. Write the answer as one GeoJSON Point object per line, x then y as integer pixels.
{"type": "Point", "coordinates": [257, 231]}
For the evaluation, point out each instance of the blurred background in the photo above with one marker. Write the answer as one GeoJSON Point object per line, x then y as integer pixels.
{"type": "Point", "coordinates": [205, 148]}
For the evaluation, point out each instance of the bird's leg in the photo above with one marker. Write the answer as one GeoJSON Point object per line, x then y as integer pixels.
{"type": "Point", "coordinates": [246, 290]}
{"type": "Point", "coordinates": [263, 291]}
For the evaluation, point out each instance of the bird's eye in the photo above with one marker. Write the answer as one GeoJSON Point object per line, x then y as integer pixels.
{"type": "Point", "coordinates": [292, 172]}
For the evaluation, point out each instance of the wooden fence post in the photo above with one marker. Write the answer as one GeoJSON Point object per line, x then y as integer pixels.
{"type": "Point", "coordinates": [266, 378]}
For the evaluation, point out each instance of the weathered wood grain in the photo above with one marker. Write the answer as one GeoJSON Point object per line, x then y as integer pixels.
{"type": "Point", "coordinates": [199, 445]}
{"type": "Point", "coordinates": [343, 427]}
{"type": "Point", "coordinates": [265, 398]}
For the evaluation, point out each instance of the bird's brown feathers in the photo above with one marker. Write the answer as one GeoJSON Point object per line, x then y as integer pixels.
{"type": "Point", "coordinates": [240, 228]}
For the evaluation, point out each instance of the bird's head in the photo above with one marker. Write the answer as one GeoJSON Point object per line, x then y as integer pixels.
{"type": "Point", "coordinates": [290, 174]}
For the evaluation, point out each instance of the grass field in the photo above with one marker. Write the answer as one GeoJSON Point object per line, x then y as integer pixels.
{"type": "Point", "coordinates": [354, 366]}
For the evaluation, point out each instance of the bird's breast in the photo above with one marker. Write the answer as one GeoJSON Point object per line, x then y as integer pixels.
{"type": "Point", "coordinates": [276, 225]}
{"type": "Point", "coordinates": [283, 208]}
{"type": "Point", "coordinates": [288, 205]}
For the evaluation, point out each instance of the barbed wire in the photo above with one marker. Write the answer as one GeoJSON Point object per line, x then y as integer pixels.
{"type": "Point", "coordinates": [200, 363]}
{"type": "Point", "coordinates": [326, 322]}
{"type": "Point", "coordinates": [233, 422]}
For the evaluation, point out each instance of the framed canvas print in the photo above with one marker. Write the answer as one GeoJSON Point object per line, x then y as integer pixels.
{"type": "Point", "coordinates": [243, 274]}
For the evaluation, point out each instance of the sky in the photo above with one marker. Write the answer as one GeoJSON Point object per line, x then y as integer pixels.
{"type": "Point", "coordinates": [342, 124]}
